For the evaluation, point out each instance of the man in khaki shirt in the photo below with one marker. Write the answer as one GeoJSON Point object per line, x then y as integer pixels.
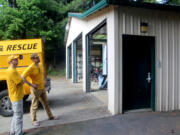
{"type": "Point", "coordinates": [36, 73]}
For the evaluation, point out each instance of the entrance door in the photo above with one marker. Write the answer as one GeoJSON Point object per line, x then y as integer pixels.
{"type": "Point", "coordinates": [138, 72]}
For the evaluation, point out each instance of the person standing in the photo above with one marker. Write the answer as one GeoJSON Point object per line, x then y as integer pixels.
{"type": "Point", "coordinates": [16, 94]}
{"type": "Point", "coordinates": [36, 73]}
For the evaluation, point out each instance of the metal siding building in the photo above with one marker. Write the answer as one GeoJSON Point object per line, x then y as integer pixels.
{"type": "Point", "coordinates": [163, 25]}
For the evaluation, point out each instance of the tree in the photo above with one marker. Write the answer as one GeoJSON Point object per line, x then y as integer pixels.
{"type": "Point", "coordinates": [21, 19]}
{"type": "Point", "coordinates": [43, 19]}
{"type": "Point", "coordinates": [174, 2]}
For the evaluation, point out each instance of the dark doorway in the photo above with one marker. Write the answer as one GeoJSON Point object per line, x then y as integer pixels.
{"type": "Point", "coordinates": [96, 50]}
{"type": "Point", "coordinates": [70, 62]}
{"type": "Point", "coordinates": [138, 72]}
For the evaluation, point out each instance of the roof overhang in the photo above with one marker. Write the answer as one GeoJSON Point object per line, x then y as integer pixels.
{"type": "Point", "coordinates": [147, 5]}
{"type": "Point", "coordinates": [98, 6]}
{"type": "Point", "coordinates": [104, 3]}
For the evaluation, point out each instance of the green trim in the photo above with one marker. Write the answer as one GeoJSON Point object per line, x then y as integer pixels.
{"type": "Point", "coordinates": [153, 77]}
{"type": "Point", "coordinates": [104, 3]}
{"type": "Point", "coordinates": [88, 81]}
{"type": "Point", "coordinates": [74, 62]}
{"type": "Point", "coordinates": [95, 8]}
{"type": "Point", "coordinates": [74, 58]}
{"type": "Point", "coordinates": [147, 5]}
{"type": "Point", "coordinates": [68, 61]}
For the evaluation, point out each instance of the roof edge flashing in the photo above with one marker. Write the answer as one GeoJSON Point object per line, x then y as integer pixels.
{"type": "Point", "coordinates": [147, 5]}
{"type": "Point", "coordinates": [93, 9]}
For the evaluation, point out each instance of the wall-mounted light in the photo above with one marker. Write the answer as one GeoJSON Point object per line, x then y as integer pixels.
{"type": "Point", "coordinates": [143, 27]}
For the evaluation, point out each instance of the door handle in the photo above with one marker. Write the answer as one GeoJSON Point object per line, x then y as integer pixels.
{"type": "Point", "coordinates": [149, 77]}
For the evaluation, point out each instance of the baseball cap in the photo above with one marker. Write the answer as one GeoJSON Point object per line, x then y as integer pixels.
{"type": "Point", "coordinates": [34, 55]}
{"type": "Point", "coordinates": [12, 57]}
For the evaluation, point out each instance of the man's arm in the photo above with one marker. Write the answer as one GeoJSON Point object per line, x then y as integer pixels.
{"type": "Point", "coordinates": [44, 77]}
{"type": "Point", "coordinates": [42, 68]}
{"type": "Point", "coordinates": [27, 82]}
{"type": "Point", "coordinates": [27, 73]}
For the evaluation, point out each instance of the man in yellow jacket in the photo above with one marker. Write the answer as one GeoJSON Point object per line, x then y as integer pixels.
{"type": "Point", "coordinates": [16, 94]}
{"type": "Point", "coordinates": [36, 73]}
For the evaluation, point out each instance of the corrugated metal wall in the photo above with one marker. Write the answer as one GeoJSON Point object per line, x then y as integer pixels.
{"type": "Point", "coordinates": [165, 26]}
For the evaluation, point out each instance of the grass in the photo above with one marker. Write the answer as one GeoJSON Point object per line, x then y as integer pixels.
{"type": "Point", "coordinates": [56, 72]}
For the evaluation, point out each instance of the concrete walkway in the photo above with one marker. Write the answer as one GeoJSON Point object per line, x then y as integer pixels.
{"type": "Point", "coordinates": [68, 102]}
{"type": "Point", "coordinates": [142, 123]}
{"type": "Point", "coordinates": [86, 114]}
{"type": "Point", "coordinates": [146, 123]}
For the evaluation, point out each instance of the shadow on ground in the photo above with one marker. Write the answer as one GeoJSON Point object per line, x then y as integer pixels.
{"type": "Point", "coordinates": [143, 123]}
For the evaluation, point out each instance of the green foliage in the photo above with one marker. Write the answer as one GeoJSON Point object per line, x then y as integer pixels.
{"type": "Point", "coordinates": [173, 2]}
{"type": "Point", "coordinates": [22, 19]}
{"type": "Point", "coordinates": [151, 1]}
{"type": "Point", "coordinates": [25, 21]}
{"type": "Point", "coordinates": [57, 72]}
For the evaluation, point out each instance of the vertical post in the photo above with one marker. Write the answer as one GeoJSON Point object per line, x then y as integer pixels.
{"type": "Point", "coordinates": [68, 63]}
{"type": "Point", "coordinates": [114, 68]}
{"type": "Point", "coordinates": [88, 78]}
{"type": "Point", "coordinates": [85, 75]}
{"type": "Point", "coordinates": [153, 75]}
{"type": "Point", "coordinates": [74, 63]}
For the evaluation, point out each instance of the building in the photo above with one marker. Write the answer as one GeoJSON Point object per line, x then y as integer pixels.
{"type": "Point", "coordinates": [143, 53]}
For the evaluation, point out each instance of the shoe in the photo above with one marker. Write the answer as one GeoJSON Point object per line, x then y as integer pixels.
{"type": "Point", "coordinates": [36, 123]}
{"type": "Point", "coordinates": [54, 118]}
{"type": "Point", "coordinates": [24, 133]}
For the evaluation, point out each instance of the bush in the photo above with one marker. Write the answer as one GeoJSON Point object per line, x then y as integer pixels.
{"type": "Point", "coordinates": [56, 72]}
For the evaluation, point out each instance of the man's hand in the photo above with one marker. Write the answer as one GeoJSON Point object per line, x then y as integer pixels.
{"type": "Point", "coordinates": [34, 86]}
{"type": "Point", "coordinates": [30, 84]}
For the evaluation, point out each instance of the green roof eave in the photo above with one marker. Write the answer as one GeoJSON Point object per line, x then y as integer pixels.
{"type": "Point", "coordinates": [104, 3]}
{"type": "Point", "coordinates": [146, 5]}
{"type": "Point", "coordinates": [98, 6]}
